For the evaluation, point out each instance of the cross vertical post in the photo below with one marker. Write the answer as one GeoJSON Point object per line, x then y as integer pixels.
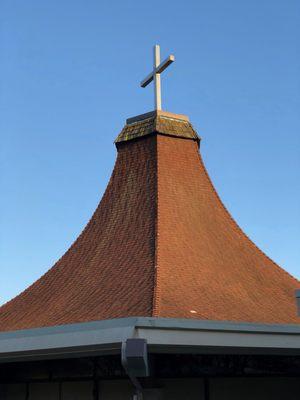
{"type": "Point", "coordinates": [157, 87]}
{"type": "Point", "coordinates": [158, 68]}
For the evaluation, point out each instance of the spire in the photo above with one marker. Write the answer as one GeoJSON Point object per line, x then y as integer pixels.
{"type": "Point", "coordinates": [159, 244]}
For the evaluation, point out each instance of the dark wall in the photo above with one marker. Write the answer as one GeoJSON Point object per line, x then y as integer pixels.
{"type": "Point", "coordinates": [172, 389]}
{"type": "Point", "coordinates": [184, 377]}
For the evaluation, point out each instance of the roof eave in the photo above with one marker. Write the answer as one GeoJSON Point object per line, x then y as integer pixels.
{"type": "Point", "coordinates": [162, 335]}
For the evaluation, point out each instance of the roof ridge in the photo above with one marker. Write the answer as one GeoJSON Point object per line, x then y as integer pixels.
{"type": "Point", "coordinates": [156, 294]}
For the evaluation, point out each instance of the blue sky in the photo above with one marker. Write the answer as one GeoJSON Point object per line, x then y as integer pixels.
{"type": "Point", "coordinates": [69, 76]}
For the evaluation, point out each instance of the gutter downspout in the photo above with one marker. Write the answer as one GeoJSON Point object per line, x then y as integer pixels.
{"type": "Point", "coordinates": [134, 358]}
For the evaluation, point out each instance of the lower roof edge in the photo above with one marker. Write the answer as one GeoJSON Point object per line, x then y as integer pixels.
{"type": "Point", "coordinates": [162, 335]}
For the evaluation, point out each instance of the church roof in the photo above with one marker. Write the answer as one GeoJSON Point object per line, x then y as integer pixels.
{"type": "Point", "coordinates": [160, 244]}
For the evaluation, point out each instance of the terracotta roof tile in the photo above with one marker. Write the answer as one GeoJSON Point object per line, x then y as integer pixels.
{"type": "Point", "coordinates": [160, 244]}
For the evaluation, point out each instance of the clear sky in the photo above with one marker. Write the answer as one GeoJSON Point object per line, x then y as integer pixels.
{"type": "Point", "coordinates": [69, 75]}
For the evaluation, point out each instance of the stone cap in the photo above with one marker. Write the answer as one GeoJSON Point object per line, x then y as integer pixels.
{"type": "Point", "coordinates": [162, 122]}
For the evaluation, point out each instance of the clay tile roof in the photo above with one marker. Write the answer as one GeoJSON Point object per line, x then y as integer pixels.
{"type": "Point", "coordinates": [160, 243]}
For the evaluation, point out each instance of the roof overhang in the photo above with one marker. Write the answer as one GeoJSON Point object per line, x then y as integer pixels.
{"type": "Point", "coordinates": [163, 335]}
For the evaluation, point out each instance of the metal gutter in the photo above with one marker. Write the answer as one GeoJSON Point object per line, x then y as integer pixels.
{"type": "Point", "coordinates": [194, 324]}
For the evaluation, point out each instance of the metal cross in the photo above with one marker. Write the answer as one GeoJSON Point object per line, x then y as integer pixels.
{"type": "Point", "coordinates": [158, 68]}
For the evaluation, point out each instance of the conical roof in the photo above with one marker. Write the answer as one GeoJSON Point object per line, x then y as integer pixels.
{"type": "Point", "coordinates": [160, 244]}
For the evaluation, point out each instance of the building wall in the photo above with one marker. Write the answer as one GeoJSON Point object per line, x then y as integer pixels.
{"type": "Point", "coordinates": [173, 389]}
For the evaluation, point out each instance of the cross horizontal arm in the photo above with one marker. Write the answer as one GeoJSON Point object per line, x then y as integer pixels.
{"type": "Point", "coordinates": [147, 80]}
{"type": "Point", "coordinates": [162, 66]}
